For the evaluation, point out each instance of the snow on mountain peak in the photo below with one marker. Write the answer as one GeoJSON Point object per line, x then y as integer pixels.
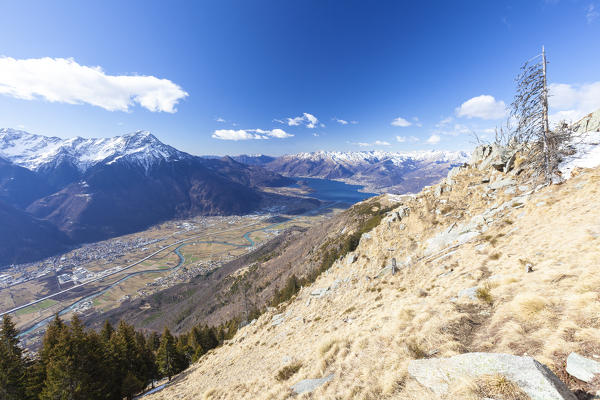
{"type": "Point", "coordinates": [36, 152]}
{"type": "Point", "coordinates": [373, 156]}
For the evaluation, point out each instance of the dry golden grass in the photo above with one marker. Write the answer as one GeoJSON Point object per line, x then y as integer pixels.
{"type": "Point", "coordinates": [288, 371]}
{"type": "Point", "coordinates": [545, 314]}
{"type": "Point", "coordinates": [486, 386]}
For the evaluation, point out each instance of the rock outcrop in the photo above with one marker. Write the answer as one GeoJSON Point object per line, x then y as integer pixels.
{"type": "Point", "coordinates": [499, 157]}
{"type": "Point", "coordinates": [589, 123]}
{"type": "Point", "coordinates": [534, 378]}
{"type": "Point", "coordinates": [582, 368]}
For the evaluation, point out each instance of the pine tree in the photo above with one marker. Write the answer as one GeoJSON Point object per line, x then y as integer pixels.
{"type": "Point", "coordinates": [13, 369]}
{"type": "Point", "coordinates": [167, 355]}
{"type": "Point", "coordinates": [74, 363]}
{"type": "Point", "coordinates": [106, 332]}
{"type": "Point", "coordinates": [127, 359]}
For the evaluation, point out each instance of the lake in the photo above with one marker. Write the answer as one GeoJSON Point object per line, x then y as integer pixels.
{"type": "Point", "coordinates": [328, 190]}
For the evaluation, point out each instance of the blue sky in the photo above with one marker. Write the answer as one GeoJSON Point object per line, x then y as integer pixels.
{"type": "Point", "coordinates": [266, 69]}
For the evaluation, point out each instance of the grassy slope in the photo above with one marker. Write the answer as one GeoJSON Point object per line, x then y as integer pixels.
{"type": "Point", "coordinates": [366, 329]}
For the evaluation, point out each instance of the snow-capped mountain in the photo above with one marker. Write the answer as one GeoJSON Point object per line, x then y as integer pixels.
{"type": "Point", "coordinates": [37, 152]}
{"type": "Point", "coordinates": [378, 171]}
{"type": "Point", "coordinates": [91, 189]}
{"type": "Point", "coordinates": [372, 157]}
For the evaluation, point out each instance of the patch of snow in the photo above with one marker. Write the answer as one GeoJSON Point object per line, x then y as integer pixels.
{"type": "Point", "coordinates": [587, 154]}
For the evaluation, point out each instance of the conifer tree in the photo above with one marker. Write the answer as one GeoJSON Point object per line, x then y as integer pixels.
{"type": "Point", "coordinates": [167, 355]}
{"type": "Point", "coordinates": [12, 364]}
{"type": "Point", "coordinates": [74, 363]}
{"type": "Point", "coordinates": [106, 332]}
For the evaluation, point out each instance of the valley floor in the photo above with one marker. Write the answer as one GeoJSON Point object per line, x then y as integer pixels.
{"type": "Point", "coordinates": [100, 277]}
{"type": "Point", "coordinates": [487, 263]}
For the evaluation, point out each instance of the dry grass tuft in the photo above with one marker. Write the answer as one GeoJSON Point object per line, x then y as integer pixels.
{"type": "Point", "coordinates": [499, 387]}
{"type": "Point", "coordinates": [288, 371]}
{"type": "Point", "coordinates": [528, 306]}
{"type": "Point", "coordinates": [484, 293]}
{"type": "Point", "coordinates": [415, 349]}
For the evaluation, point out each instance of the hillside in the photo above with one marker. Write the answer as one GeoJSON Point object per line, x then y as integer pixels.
{"type": "Point", "coordinates": [248, 283]}
{"type": "Point", "coordinates": [486, 262]}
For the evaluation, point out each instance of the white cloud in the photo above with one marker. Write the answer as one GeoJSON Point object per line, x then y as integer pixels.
{"type": "Point", "coordinates": [591, 13]}
{"type": "Point", "coordinates": [375, 143]}
{"type": "Point", "coordinates": [572, 102]}
{"type": "Point", "coordinates": [219, 119]}
{"type": "Point", "coordinates": [312, 120]}
{"type": "Point", "coordinates": [409, 139]}
{"type": "Point", "coordinates": [444, 122]}
{"type": "Point", "coordinates": [401, 122]}
{"type": "Point", "coordinates": [279, 133]}
{"type": "Point", "coordinates": [305, 119]}
{"type": "Point", "coordinates": [315, 134]}
{"type": "Point", "coordinates": [341, 121]}
{"type": "Point", "coordinates": [65, 81]}
{"type": "Point", "coordinates": [457, 129]}
{"type": "Point", "coordinates": [484, 107]}
{"type": "Point", "coordinates": [417, 122]}
{"type": "Point", "coordinates": [231, 134]}
{"type": "Point", "coordinates": [434, 139]}
{"type": "Point", "coordinates": [354, 122]}
{"type": "Point", "coordinates": [279, 120]}
{"type": "Point", "coordinates": [250, 134]}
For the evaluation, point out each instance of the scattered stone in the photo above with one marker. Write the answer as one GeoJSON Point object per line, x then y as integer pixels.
{"type": "Point", "coordinates": [351, 258]}
{"type": "Point", "coordinates": [308, 302]}
{"type": "Point", "coordinates": [469, 292]}
{"type": "Point", "coordinates": [510, 163]}
{"type": "Point", "coordinates": [528, 267]}
{"type": "Point", "coordinates": [582, 368]}
{"type": "Point", "coordinates": [277, 319]}
{"type": "Point", "coordinates": [510, 190]}
{"type": "Point", "coordinates": [485, 179]}
{"type": "Point", "coordinates": [523, 188]}
{"type": "Point", "coordinates": [403, 212]}
{"type": "Point", "coordinates": [541, 203]}
{"type": "Point", "coordinates": [502, 183]}
{"type": "Point", "coordinates": [319, 292]}
{"type": "Point", "coordinates": [308, 385]}
{"type": "Point", "coordinates": [534, 378]}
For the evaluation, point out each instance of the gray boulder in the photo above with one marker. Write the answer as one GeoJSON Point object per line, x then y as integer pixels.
{"type": "Point", "coordinates": [589, 123]}
{"type": "Point", "coordinates": [308, 385]}
{"type": "Point", "coordinates": [494, 155]}
{"type": "Point", "coordinates": [533, 378]}
{"type": "Point", "coordinates": [502, 183]}
{"type": "Point", "coordinates": [582, 368]}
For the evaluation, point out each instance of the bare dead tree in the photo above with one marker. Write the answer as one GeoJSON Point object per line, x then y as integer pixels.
{"type": "Point", "coordinates": [529, 111]}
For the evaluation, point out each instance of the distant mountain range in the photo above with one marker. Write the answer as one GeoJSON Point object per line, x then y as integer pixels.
{"type": "Point", "coordinates": [60, 192]}
{"type": "Point", "coordinates": [378, 171]}
{"type": "Point", "coordinates": [56, 193]}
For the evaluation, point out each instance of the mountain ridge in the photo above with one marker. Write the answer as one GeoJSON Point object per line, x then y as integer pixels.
{"type": "Point", "coordinates": [94, 189]}
{"type": "Point", "coordinates": [378, 171]}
